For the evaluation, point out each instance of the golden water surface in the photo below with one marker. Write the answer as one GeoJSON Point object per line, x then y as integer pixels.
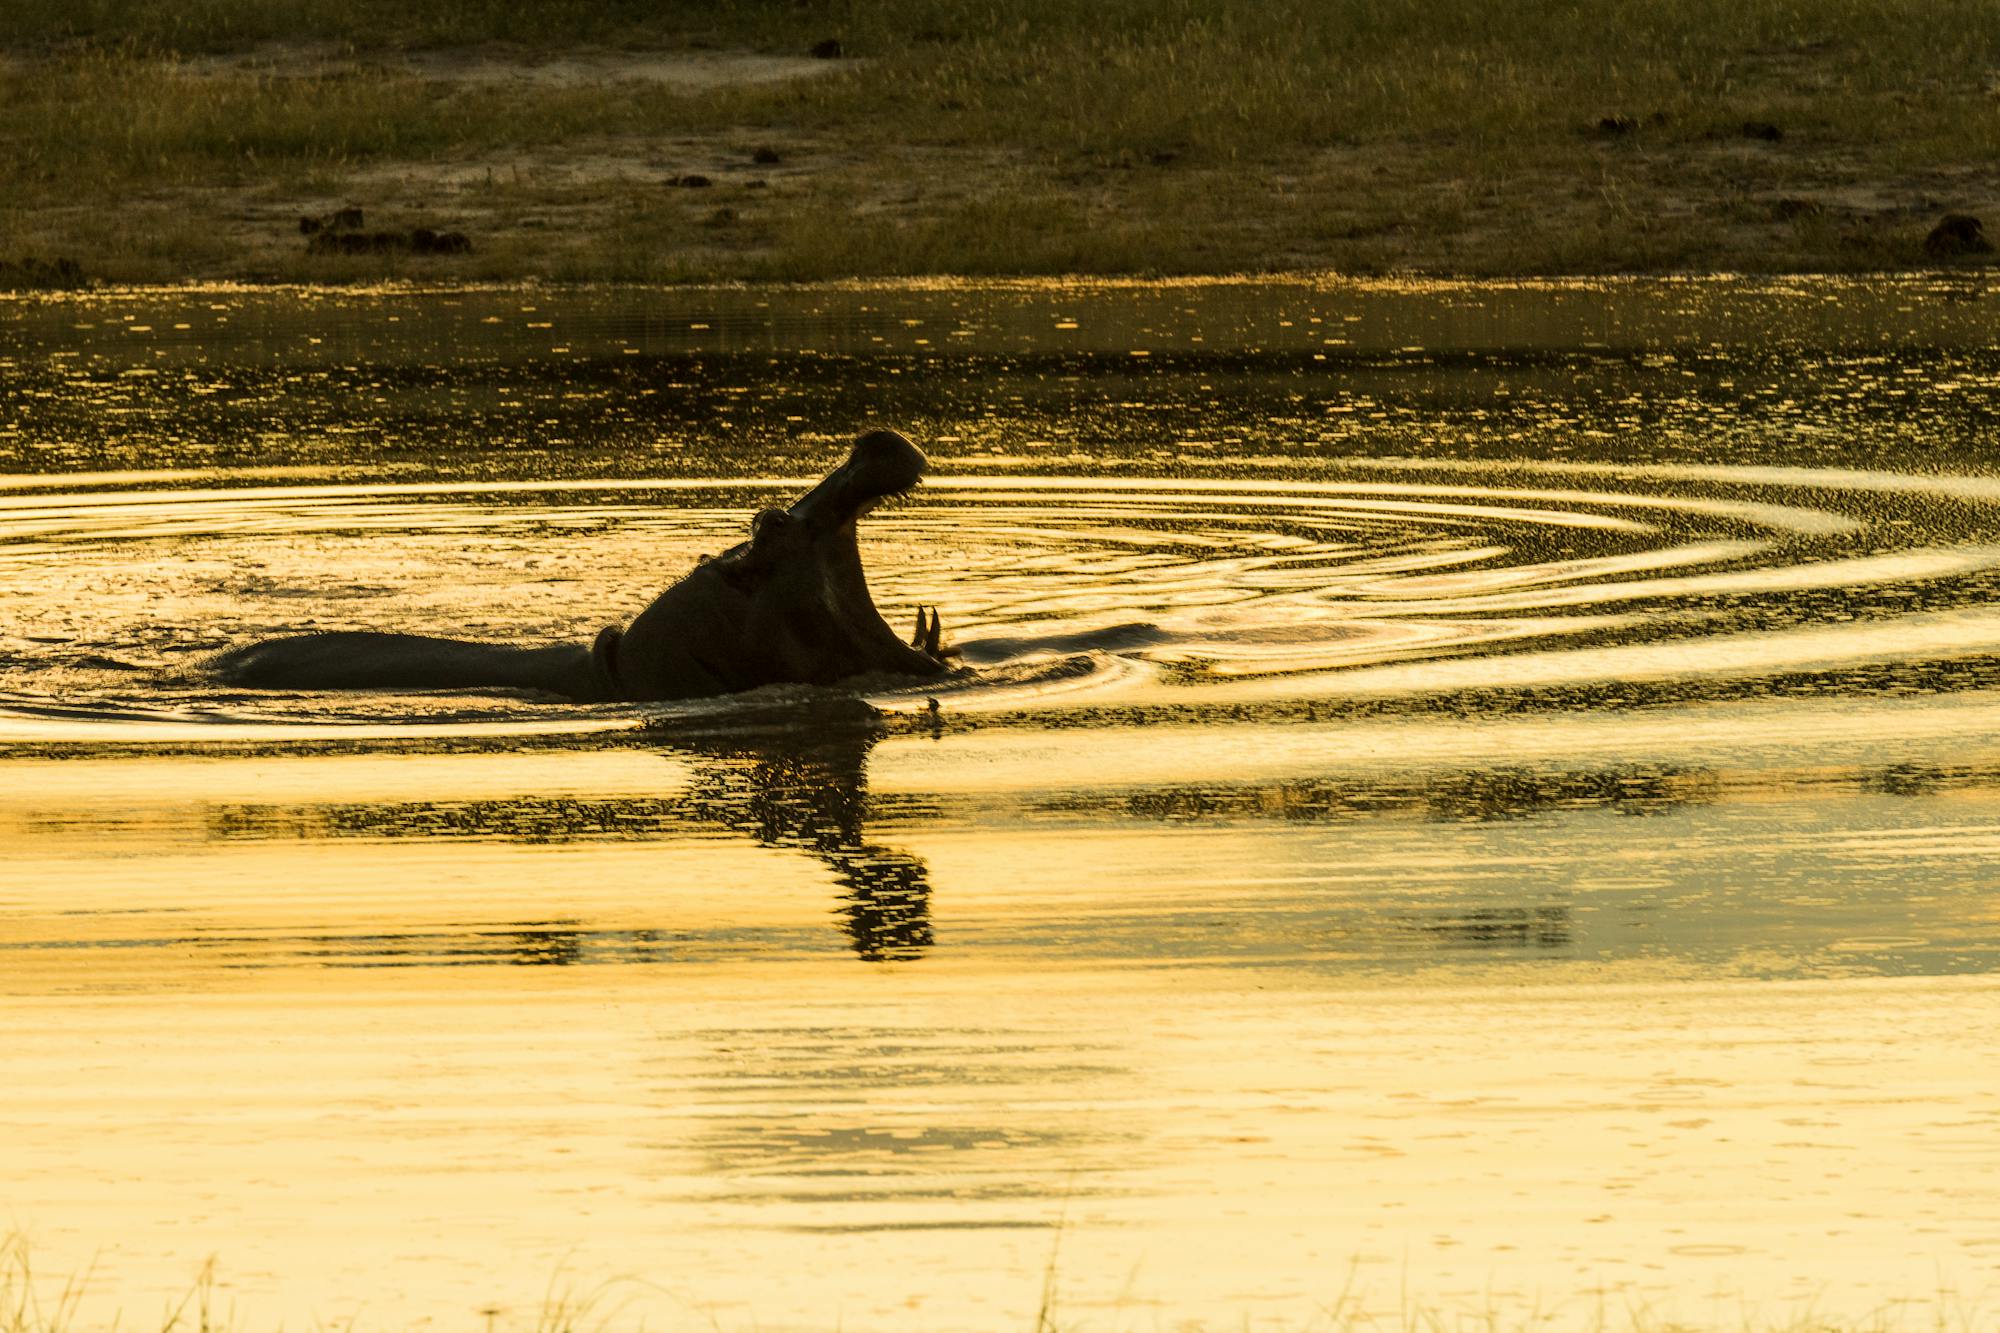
{"type": "Point", "coordinates": [1462, 804]}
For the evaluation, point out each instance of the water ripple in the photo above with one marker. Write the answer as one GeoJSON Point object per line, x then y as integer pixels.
{"type": "Point", "coordinates": [1065, 591]}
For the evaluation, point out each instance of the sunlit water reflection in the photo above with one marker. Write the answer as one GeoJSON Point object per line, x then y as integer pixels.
{"type": "Point", "coordinates": [1466, 798]}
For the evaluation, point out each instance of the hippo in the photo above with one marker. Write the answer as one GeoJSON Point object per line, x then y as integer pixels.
{"type": "Point", "coordinates": [789, 605]}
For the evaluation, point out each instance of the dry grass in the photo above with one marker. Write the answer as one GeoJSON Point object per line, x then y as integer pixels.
{"type": "Point", "coordinates": [33, 1303]}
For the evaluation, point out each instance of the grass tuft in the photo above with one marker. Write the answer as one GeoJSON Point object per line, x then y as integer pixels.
{"type": "Point", "coordinates": [25, 1304]}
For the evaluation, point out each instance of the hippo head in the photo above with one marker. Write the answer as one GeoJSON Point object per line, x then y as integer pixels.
{"type": "Point", "coordinates": [789, 604]}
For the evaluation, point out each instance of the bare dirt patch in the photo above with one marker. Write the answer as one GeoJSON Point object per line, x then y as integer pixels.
{"type": "Point", "coordinates": [503, 66]}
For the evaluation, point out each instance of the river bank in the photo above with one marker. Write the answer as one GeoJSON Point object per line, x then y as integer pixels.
{"type": "Point", "coordinates": [343, 144]}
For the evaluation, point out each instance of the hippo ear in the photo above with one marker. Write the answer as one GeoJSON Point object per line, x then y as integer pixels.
{"type": "Point", "coordinates": [756, 557]}
{"type": "Point", "coordinates": [768, 524]}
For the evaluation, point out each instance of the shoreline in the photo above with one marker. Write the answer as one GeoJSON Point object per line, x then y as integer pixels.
{"type": "Point", "coordinates": [1985, 278]}
{"type": "Point", "coordinates": [45, 252]}
{"type": "Point", "coordinates": [441, 285]}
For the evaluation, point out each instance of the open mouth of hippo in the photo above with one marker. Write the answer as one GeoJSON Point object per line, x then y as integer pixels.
{"type": "Point", "coordinates": [883, 465]}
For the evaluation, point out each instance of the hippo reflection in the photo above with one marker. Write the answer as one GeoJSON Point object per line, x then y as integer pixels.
{"type": "Point", "coordinates": [801, 785]}
{"type": "Point", "coordinates": [809, 791]}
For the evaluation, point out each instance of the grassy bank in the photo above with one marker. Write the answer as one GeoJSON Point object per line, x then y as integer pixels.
{"type": "Point", "coordinates": [148, 139]}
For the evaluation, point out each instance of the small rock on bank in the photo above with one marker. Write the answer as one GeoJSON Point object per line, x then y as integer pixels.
{"type": "Point", "coordinates": [1957, 235]}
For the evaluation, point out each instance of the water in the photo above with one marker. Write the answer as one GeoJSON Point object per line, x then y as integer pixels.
{"type": "Point", "coordinates": [1464, 800]}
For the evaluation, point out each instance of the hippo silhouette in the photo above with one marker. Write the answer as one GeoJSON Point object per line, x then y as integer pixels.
{"type": "Point", "coordinates": [790, 605]}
